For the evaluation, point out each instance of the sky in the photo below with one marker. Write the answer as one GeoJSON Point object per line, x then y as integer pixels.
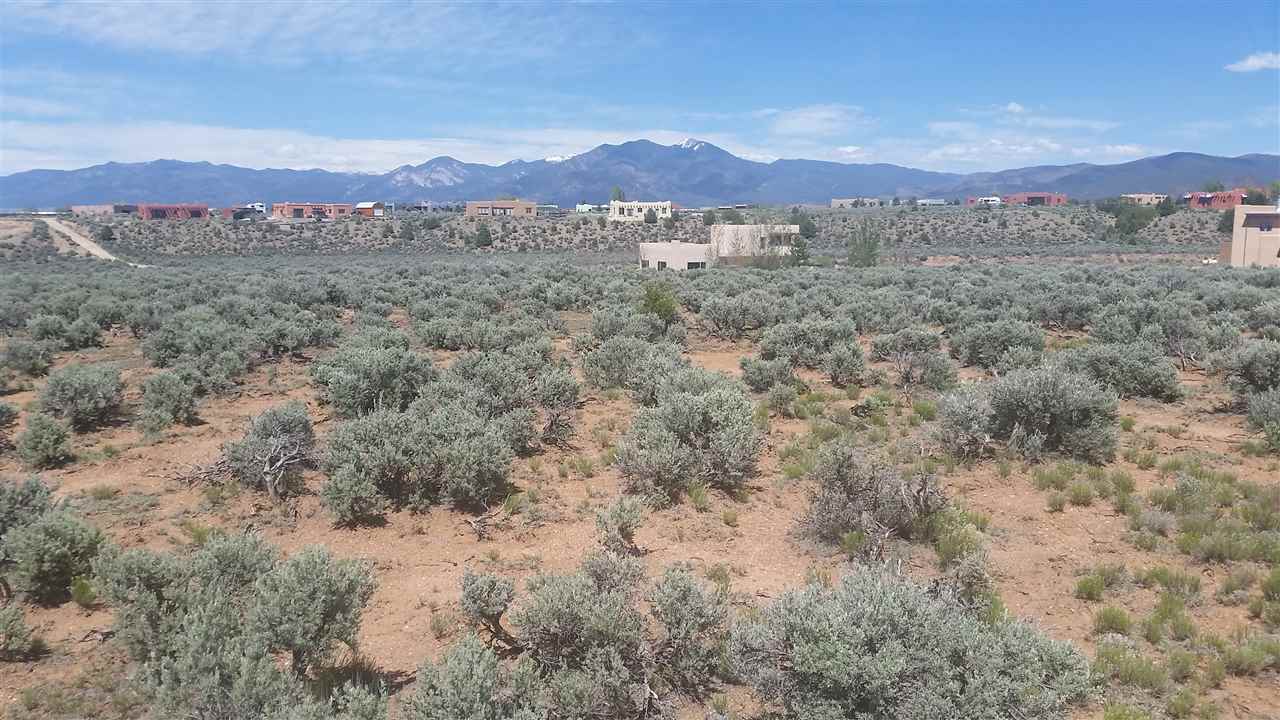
{"type": "Point", "coordinates": [370, 86]}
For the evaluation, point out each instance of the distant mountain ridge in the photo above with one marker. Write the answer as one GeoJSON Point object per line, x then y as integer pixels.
{"type": "Point", "coordinates": [692, 173]}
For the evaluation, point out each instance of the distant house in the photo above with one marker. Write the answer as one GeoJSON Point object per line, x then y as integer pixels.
{"type": "Point", "coordinates": [588, 208]}
{"type": "Point", "coordinates": [550, 211]}
{"type": "Point", "coordinates": [501, 208]}
{"type": "Point", "coordinates": [931, 202]}
{"type": "Point", "coordinates": [1036, 199]}
{"type": "Point", "coordinates": [988, 201]}
{"type": "Point", "coordinates": [310, 211]}
{"type": "Point", "coordinates": [850, 203]}
{"type": "Point", "coordinates": [1143, 198]}
{"type": "Point", "coordinates": [371, 209]}
{"type": "Point", "coordinates": [730, 245]}
{"type": "Point", "coordinates": [103, 210]}
{"type": "Point", "coordinates": [630, 211]}
{"type": "Point", "coordinates": [184, 211]}
{"type": "Point", "coordinates": [1215, 200]}
{"type": "Point", "coordinates": [1255, 238]}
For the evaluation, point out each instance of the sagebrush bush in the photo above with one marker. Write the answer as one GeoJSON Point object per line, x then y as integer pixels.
{"type": "Point", "coordinates": [761, 375]}
{"type": "Point", "coordinates": [846, 365]}
{"type": "Point", "coordinates": [617, 525]}
{"type": "Point", "coordinates": [806, 343]}
{"type": "Point", "coordinates": [1132, 370]}
{"type": "Point", "coordinates": [1048, 410]}
{"type": "Point", "coordinates": [83, 395]}
{"type": "Point", "coordinates": [44, 443]}
{"type": "Point", "coordinates": [27, 357]}
{"type": "Point", "coordinates": [860, 493]}
{"type": "Point", "coordinates": [983, 344]}
{"type": "Point", "coordinates": [1253, 367]}
{"type": "Point", "coordinates": [1264, 416]}
{"type": "Point", "coordinates": [48, 553]}
{"type": "Point", "coordinates": [275, 447]}
{"type": "Point", "coordinates": [167, 399]}
{"type": "Point", "coordinates": [701, 428]}
{"type": "Point", "coordinates": [471, 683]}
{"type": "Point", "coordinates": [374, 369]}
{"type": "Point", "coordinates": [879, 643]}
{"type": "Point", "coordinates": [23, 502]}
{"type": "Point", "coordinates": [206, 628]}
{"type": "Point", "coordinates": [17, 640]}
{"type": "Point", "coordinates": [964, 420]}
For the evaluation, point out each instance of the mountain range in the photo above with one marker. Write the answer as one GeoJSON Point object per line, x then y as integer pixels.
{"type": "Point", "coordinates": [693, 173]}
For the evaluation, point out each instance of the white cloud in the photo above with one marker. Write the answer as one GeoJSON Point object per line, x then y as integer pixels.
{"type": "Point", "coordinates": [29, 106]}
{"type": "Point", "coordinates": [28, 145]}
{"type": "Point", "coordinates": [280, 32]}
{"type": "Point", "coordinates": [1257, 61]}
{"type": "Point", "coordinates": [819, 120]}
{"type": "Point", "coordinates": [1014, 107]}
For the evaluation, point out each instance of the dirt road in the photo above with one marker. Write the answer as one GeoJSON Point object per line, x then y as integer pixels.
{"type": "Point", "coordinates": [83, 240]}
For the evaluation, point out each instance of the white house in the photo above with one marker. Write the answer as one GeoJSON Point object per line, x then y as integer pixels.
{"type": "Point", "coordinates": [629, 211]}
{"type": "Point", "coordinates": [587, 208]}
{"type": "Point", "coordinates": [730, 245]}
{"type": "Point", "coordinates": [931, 202]}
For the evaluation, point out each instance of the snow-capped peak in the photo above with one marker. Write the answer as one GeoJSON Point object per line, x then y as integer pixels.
{"type": "Point", "coordinates": [556, 158]}
{"type": "Point", "coordinates": [692, 144]}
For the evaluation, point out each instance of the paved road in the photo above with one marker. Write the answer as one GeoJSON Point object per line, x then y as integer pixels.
{"type": "Point", "coordinates": [83, 240]}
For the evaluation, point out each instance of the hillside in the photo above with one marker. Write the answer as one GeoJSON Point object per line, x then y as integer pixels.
{"type": "Point", "coordinates": [693, 173]}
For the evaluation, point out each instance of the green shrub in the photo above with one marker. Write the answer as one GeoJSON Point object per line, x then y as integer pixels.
{"type": "Point", "coordinates": [45, 443]}
{"type": "Point", "coordinates": [1131, 370]}
{"type": "Point", "coordinates": [1090, 587]}
{"type": "Point", "coordinates": [84, 395]}
{"type": "Point", "coordinates": [17, 641]}
{"type": "Point", "coordinates": [167, 399]}
{"type": "Point", "coordinates": [806, 343]}
{"type": "Point", "coordinates": [49, 553]}
{"type": "Point", "coordinates": [1264, 416]}
{"type": "Point", "coordinates": [1127, 667]}
{"type": "Point", "coordinates": [1047, 410]}
{"type": "Point", "coordinates": [23, 502]}
{"type": "Point", "coordinates": [964, 427]}
{"type": "Point", "coordinates": [470, 683]}
{"type": "Point", "coordinates": [880, 642]}
{"type": "Point", "coordinates": [617, 525]}
{"type": "Point", "coordinates": [25, 356]}
{"type": "Point", "coordinates": [1111, 620]}
{"type": "Point", "coordinates": [1253, 367]}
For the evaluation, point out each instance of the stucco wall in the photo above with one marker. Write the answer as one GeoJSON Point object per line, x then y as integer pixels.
{"type": "Point", "coordinates": [1253, 245]}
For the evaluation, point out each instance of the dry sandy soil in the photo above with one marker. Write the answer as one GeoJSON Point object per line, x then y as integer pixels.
{"type": "Point", "coordinates": [132, 488]}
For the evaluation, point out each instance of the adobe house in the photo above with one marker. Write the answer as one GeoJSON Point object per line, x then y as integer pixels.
{"type": "Point", "coordinates": [310, 211]}
{"type": "Point", "coordinates": [630, 211]}
{"type": "Point", "coordinates": [173, 212]}
{"type": "Point", "coordinates": [1036, 199]}
{"type": "Point", "coordinates": [1255, 238]}
{"type": "Point", "coordinates": [501, 208]}
{"type": "Point", "coordinates": [730, 245]}
{"type": "Point", "coordinates": [1215, 200]}
{"type": "Point", "coordinates": [371, 209]}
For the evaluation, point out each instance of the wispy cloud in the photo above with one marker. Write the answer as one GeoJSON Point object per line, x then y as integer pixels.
{"type": "Point", "coordinates": [29, 106]}
{"type": "Point", "coordinates": [291, 33]}
{"type": "Point", "coordinates": [818, 120]}
{"type": "Point", "coordinates": [1257, 61]}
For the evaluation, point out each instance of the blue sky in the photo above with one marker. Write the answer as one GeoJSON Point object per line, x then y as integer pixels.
{"type": "Point", "coordinates": [370, 86]}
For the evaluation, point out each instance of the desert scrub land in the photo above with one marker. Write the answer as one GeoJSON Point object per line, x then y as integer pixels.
{"type": "Point", "coordinates": [522, 487]}
{"type": "Point", "coordinates": [909, 234]}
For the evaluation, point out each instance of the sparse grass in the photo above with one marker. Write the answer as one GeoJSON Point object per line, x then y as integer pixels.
{"type": "Point", "coordinates": [1112, 619]}
{"type": "Point", "coordinates": [1080, 493]}
{"type": "Point", "coordinates": [1056, 501]}
{"type": "Point", "coordinates": [1127, 667]}
{"type": "Point", "coordinates": [729, 517]}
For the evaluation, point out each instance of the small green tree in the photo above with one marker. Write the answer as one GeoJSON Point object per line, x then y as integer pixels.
{"type": "Point", "coordinates": [864, 245]}
{"type": "Point", "coordinates": [482, 237]}
{"type": "Point", "coordinates": [1227, 222]}
{"type": "Point", "coordinates": [650, 217]}
{"type": "Point", "coordinates": [406, 231]}
{"type": "Point", "coordinates": [1213, 186]}
{"type": "Point", "coordinates": [799, 252]}
{"type": "Point", "coordinates": [733, 217]}
{"type": "Point", "coordinates": [709, 217]}
{"type": "Point", "coordinates": [106, 235]}
{"type": "Point", "coordinates": [617, 194]}
{"type": "Point", "coordinates": [659, 300]}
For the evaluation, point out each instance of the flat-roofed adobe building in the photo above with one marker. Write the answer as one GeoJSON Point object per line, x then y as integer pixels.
{"type": "Point", "coordinates": [310, 211]}
{"type": "Point", "coordinates": [1216, 200]}
{"type": "Point", "coordinates": [501, 208]}
{"type": "Point", "coordinates": [730, 245]}
{"type": "Point", "coordinates": [1255, 238]}
{"type": "Point", "coordinates": [634, 211]}
{"type": "Point", "coordinates": [1036, 199]}
{"type": "Point", "coordinates": [1144, 198]}
{"type": "Point", "coordinates": [184, 211]}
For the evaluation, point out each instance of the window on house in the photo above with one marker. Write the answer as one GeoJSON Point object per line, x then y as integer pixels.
{"type": "Point", "coordinates": [662, 265]}
{"type": "Point", "coordinates": [1265, 226]}
{"type": "Point", "coordinates": [696, 265]}
{"type": "Point", "coordinates": [644, 263]}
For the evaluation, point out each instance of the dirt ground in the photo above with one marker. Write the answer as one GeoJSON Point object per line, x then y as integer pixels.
{"type": "Point", "coordinates": [131, 487]}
